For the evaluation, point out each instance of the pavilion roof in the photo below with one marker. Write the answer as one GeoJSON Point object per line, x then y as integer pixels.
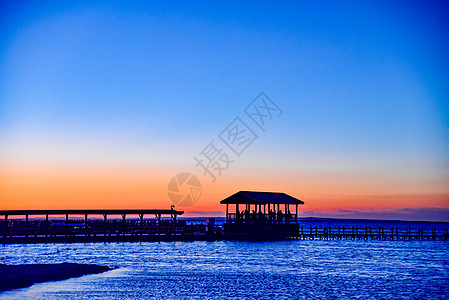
{"type": "Point", "coordinates": [249, 197]}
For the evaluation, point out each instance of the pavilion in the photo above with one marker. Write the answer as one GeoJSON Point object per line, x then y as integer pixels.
{"type": "Point", "coordinates": [261, 207]}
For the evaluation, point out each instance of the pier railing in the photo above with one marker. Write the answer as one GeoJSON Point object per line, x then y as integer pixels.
{"type": "Point", "coordinates": [67, 231]}
{"type": "Point", "coordinates": [372, 233]}
{"type": "Point", "coordinates": [253, 217]}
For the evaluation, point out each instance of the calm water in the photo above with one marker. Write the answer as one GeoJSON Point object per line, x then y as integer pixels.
{"type": "Point", "coordinates": [265, 270]}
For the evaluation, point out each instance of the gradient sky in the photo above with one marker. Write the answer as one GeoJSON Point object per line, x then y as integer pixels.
{"type": "Point", "coordinates": [103, 102]}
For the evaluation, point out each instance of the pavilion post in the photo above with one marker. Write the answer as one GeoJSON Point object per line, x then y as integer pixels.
{"type": "Point", "coordinates": [237, 212]}
{"type": "Point", "coordinates": [296, 211]}
{"type": "Point", "coordinates": [227, 213]}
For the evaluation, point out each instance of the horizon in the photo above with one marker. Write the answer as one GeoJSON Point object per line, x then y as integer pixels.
{"type": "Point", "coordinates": [120, 105]}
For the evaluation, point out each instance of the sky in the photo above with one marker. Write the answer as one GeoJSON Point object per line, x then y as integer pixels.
{"type": "Point", "coordinates": [102, 103]}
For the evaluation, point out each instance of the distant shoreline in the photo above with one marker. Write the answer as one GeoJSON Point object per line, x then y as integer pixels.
{"type": "Point", "coordinates": [20, 276]}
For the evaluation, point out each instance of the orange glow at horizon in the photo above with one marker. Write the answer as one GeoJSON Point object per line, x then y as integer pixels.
{"type": "Point", "coordinates": [29, 187]}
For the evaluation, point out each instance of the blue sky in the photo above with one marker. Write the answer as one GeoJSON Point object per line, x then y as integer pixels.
{"type": "Point", "coordinates": [363, 86]}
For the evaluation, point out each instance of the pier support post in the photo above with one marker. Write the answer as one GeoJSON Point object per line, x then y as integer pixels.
{"type": "Point", "coordinates": [105, 217]}
{"type": "Point", "coordinates": [26, 225]}
{"type": "Point", "coordinates": [5, 234]}
{"type": "Point", "coordinates": [124, 223]}
{"type": "Point", "coordinates": [85, 225]}
{"type": "Point", "coordinates": [158, 217]}
{"type": "Point", "coordinates": [141, 223]}
{"type": "Point", "coordinates": [66, 224]}
{"type": "Point", "coordinates": [46, 225]}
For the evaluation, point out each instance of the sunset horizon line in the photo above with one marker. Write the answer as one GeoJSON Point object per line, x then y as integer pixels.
{"type": "Point", "coordinates": [400, 214]}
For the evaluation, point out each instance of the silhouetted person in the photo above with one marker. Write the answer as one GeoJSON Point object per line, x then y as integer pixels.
{"type": "Point", "coordinates": [260, 216]}
{"type": "Point", "coordinates": [280, 216]}
{"type": "Point", "coordinates": [288, 217]}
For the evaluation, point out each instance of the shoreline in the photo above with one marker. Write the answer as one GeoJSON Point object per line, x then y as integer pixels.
{"type": "Point", "coordinates": [20, 276]}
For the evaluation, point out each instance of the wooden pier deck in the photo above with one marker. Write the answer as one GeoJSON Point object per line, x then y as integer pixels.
{"type": "Point", "coordinates": [65, 227]}
{"type": "Point", "coordinates": [183, 232]}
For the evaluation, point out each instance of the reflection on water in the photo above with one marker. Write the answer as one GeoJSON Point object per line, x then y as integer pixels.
{"type": "Point", "coordinates": [281, 270]}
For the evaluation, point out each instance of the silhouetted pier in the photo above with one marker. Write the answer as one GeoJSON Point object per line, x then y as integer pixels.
{"type": "Point", "coordinates": [34, 226]}
{"type": "Point", "coordinates": [371, 233]}
{"type": "Point", "coordinates": [265, 216]}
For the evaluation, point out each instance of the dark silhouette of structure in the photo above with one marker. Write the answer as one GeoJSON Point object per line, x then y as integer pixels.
{"type": "Point", "coordinates": [249, 216]}
{"type": "Point", "coordinates": [265, 215]}
{"type": "Point", "coordinates": [100, 229]}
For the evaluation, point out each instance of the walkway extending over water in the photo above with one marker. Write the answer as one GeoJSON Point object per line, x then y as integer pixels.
{"type": "Point", "coordinates": [64, 228]}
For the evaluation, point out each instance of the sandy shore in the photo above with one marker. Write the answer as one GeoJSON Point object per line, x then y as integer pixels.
{"type": "Point", "coordinates": [18, 276]}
